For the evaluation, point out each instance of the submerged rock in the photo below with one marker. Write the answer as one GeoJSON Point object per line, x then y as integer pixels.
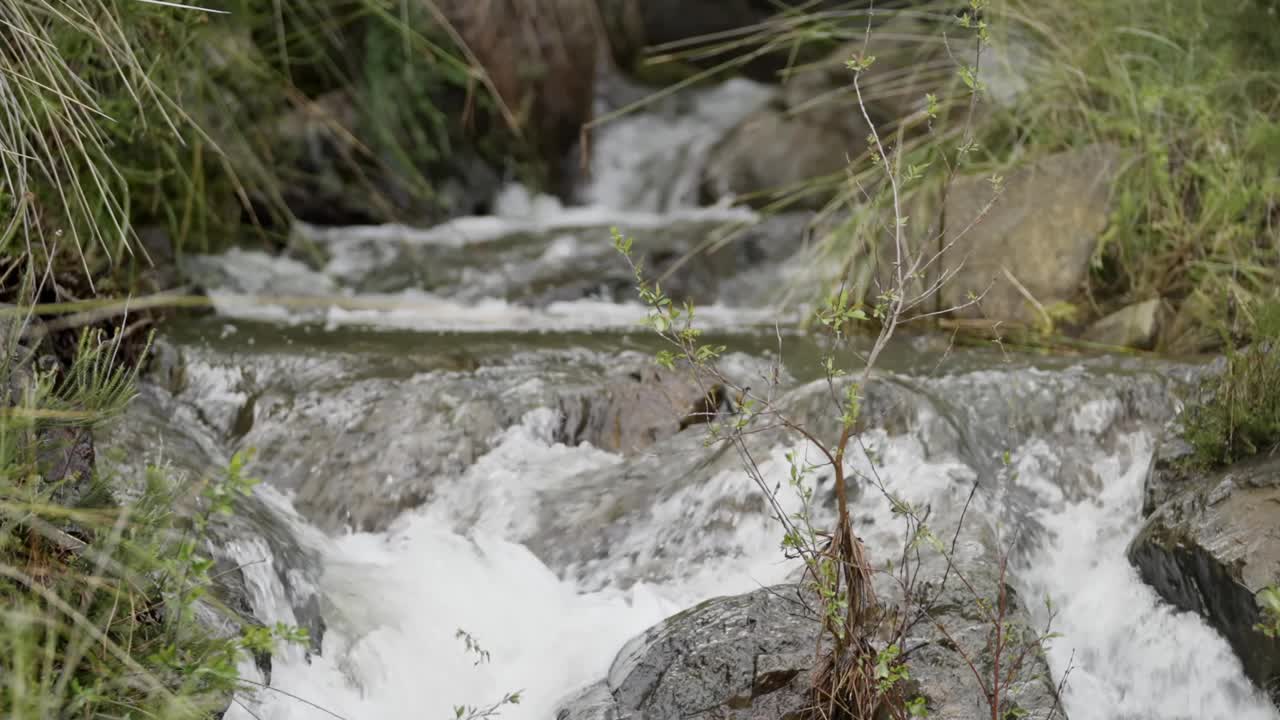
{"type": "Point", "coordinates": [637, 410]}
{"type": "Point", "coordinates": [1210, 545]}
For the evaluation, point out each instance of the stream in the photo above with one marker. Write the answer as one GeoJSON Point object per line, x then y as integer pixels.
{"type": "Point", "coordinates": [406, 390]}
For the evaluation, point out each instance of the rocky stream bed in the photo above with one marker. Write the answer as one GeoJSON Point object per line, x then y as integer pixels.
{"type": "Point", "coordinates": [458, 429]}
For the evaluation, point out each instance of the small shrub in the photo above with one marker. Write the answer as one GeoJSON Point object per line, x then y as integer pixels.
{"type": "Point", "coordinates": [106, 607]}
{"type": "Point", "coordinates": [1238, 413]}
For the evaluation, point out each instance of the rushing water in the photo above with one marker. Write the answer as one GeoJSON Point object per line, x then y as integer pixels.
{"type": "Point", "coordinates": [350, 385]}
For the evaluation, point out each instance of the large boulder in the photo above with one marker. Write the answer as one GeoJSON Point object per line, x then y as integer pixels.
{"type": "Point", "coordinates": [752, 657]}
{"type": "Point", "coordinates": [1013, 256]}
{"type": "Point", "coordinates": [1028, 249]}
{"type": "Point", "coordinates": [1211, 543]}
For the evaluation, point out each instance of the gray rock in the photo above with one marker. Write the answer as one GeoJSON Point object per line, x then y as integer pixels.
{"type": "Point", "coordinates": [704, 662]}
{"type": "Point", "coordinates": [775, 151]}
{"type": "Point", "coordinates": [1167, 477]}
{"type": "Point", "coordinates": [752, 656]}
{"type": "Point", "coordinates": [1043, 231]}
{"type": "Point", "coordinates": [1136, 325]}
{"type": "Point", "coordinates": [1211, 546]}
{"type": "Point", "coordinates": [594, 702]}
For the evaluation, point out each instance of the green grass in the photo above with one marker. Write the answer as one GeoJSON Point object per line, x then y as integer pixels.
{"type": "Point", "coordinates": [1235, 414]}
{"type": "Point", "coordinates": [122, 115]}
{"type": "Point", "coordinates": [116, 115]}
{"type": "Point", "coordinates": [1189, 88]}
{"type": "Point", "coordinates": [101, 601]}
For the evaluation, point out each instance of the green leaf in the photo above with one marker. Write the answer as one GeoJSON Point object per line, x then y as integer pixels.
{"type": "Point", "coordinates": [860, 63]}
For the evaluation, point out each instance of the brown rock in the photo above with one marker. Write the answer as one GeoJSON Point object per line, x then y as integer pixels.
{"type": "Point", "coordinates": [1042, 231]}
{"type": "Point", "coordinates": [540, 56]}
{"type": "Point", "coordinates": [633, 412]}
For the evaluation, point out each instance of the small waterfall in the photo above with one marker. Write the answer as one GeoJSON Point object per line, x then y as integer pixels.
{"type": "Point", "coordinates": [413, 373]}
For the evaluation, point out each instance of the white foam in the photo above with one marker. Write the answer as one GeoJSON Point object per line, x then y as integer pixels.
{"type": "Point", "coordinates": [396, 599]}
{"type": "Point", "coordinates": [652, 159]}
{"type": "Point", "coordinates": [427, 312]}
{"type": "Point", "coordinates": [1134, 658]}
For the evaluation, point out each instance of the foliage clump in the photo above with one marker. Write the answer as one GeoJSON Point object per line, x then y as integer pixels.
{"type": "Point", "coordinates": [1237, 414]}
{"type": "Point", "coordinates": [1189, 88]}
{"type": "Point", "coordinates": [108, 610]}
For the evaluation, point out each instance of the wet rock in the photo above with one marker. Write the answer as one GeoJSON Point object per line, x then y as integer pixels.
{"type": "Point", "coordinates": [633, 412]}
{"type": "Point", "coordinates": [752, 656]}
{"type": "Point", "coordinates": [738, 657]}
{"type": "Point", "coordinates": [939, 662]}
{"type": "Point", "coordinates": [165, 365]}
{"type": "Point", "coordinates": [595, 702]}
{"type": "Point", "coordinates": [354, 437]}
{"type": "Point", "coordinates": [1042, 231]}
{"type": "Point", "coordinates": [1168, 475]}
{"type": "Point", "coordinates": [356, 456]}
{"type": "Point", "coordinates": [1135, 326]}
{"type": "Point", "coordinates": [1211, 546]}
